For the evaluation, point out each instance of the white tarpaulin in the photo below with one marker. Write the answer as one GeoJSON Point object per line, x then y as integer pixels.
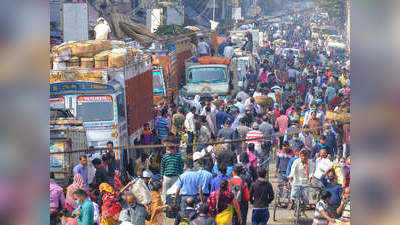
{"type": "Point", "coordinates": [236, 13]}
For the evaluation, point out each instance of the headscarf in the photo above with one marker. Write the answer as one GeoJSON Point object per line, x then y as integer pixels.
{"type": "Point", "coordinates": [78, 183]}
{"type": "Point", "coordinates": [111, 206]}
{"type": "Point", "coordinates": [107, 188]}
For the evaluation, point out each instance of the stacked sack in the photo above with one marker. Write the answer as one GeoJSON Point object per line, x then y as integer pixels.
{"type": "Point", "coordinates": [91, 54]}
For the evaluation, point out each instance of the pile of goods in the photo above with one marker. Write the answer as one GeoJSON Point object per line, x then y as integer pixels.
{"type": "Point", "coordinates": [172, 30]}
{"type": "Point", "coordinates": [175, 30]}
{"type": "Point", "coordinates": [214, 60]}
{"type": "Point", "coordinates": [92, 54]}
{"type": "Point", "coordinates": [125, 28]}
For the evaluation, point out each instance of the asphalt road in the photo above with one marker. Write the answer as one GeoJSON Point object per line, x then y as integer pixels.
{"type": "Point", "coordinates": [284, 216]}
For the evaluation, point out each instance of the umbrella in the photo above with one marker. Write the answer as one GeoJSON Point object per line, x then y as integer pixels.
{"type": "Point", "coordinates": [193, 28]}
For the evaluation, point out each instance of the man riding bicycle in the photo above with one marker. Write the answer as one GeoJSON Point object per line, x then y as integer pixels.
{"type": "Point", "coordinates": [300, 177]}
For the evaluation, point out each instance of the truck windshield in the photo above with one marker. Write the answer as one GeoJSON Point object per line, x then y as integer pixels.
{"type": "Point", "coordinates": [158, 82]}
{"type": "Point", "coordinates": [95, 108]}
{"type": "Point", "coordinates": [207, 74]}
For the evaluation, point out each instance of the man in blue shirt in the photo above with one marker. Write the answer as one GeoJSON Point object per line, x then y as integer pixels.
{"type": "Point", "coordinates": [221, 176]}
{"type": "Point", "coordinates": [221, 117]}
{"type": "Point", "coordinates": [290, 163]}
{"type": "Point", "coordinates": [162, 125]}
{"type": "Point", "coordinates": [331, 144]}
{"type": "Point", "coordinates": [329, 180]}
{"type": "Point", "coordinates": [205, 179]}
{"type": "Point", "coordinates": [188, 185]}
{"type": "Point", "coordinates": [82, 168]}
{"type": "Point", "coordinates": [321, 144]}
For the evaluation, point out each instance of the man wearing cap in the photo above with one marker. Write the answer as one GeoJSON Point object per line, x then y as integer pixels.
{"type": "Point", "coordinates": [102, 30]}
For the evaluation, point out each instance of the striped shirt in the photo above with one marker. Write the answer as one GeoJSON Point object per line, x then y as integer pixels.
{"type": "Point", "coordinates": [162, 127]}
{"type": "Point", "coordinates": [255, 134]}
{"type": "Point", "coordinates": [171, 164]}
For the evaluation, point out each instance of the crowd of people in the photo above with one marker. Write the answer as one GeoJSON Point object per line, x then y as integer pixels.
{"type": "Point", "coordinates": [216, 161]}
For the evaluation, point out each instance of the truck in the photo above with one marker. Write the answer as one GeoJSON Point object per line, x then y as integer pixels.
{"type": "Point", "coordinates": [207, 80]}
{"type": "Point", "coordinates": [168, 67]}
{"type": "Point", "coordinates": [114, 101]}
{"type": "Point", "coordinates": [66, 135]}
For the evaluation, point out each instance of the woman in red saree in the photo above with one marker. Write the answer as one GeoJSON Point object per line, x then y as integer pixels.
{"type": "Point", "coordinates": [221, 204]}
{"type": "Point", "coordinates": [111, 208]}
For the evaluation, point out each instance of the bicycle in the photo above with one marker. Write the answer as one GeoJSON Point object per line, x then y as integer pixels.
{"type": "Point", "coordinates": [283, 190]}
{"type": "Point", "coordinates": [300, 202]}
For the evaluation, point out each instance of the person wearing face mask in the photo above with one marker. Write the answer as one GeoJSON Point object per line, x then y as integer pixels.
{"type": "Point", "coordinates": [342, 172]}
{"type": "Point", "coordinates": [296, 144]}
{"type": "Point", "coordinates": [301, 175]}
{"type": "Point", "coordinates": [322, 164]}
{"type": "Point", "coordinates": [84, 214]}
{"type": "Point", "coordinates": [134, 213]}
{"type": "Point", "coordinates": [329, 180]}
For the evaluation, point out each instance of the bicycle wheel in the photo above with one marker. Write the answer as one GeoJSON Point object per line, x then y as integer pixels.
{"type": "Point", "coordinates": [276, 206]}
{"type": "Point", "coordinates": [298, 209]}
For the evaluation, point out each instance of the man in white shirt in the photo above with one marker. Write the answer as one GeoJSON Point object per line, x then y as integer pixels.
{"type": "Point", "coordinates": [189, 125]}
{"type": "Point", "coordinates": [300, 175]}
{"type": "Point", "coordinates": [228, 50]}
{"type": "Point", "coordinates": [102, 30]}
{"type": "Point", "coordinates": [202, 47]}
{"type": "Point", "coordinates": [322, 164]}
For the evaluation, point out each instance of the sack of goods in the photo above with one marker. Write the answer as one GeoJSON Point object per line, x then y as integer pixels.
{"type": "Point", "coordinates": [261, 100]}
{"type": "Point", "coordinates": [101, 60]}
{"type": "Point", "coordinates": [141, 192]}
{"type": "Point", "coordinates": [117, 58]}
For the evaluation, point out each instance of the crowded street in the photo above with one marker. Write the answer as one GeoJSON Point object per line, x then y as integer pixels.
{"type": "Point", "coordinates": [228, 119]}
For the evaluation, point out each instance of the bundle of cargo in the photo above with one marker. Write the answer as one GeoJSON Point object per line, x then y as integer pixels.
{"type": "Point", "coordinates": [87, 63]}
{"type": "Point", "coordinates": [125, 28]}
{"type": "Point", "coordinates": [261, 100]}
{"type": "Point", "coordinates": [99, 55]}
{"type": "Point", "coordinates": [214, 60]}
{"type": "Point", "coordinates": [130, 31]}
{"type": "Point", "coordinates": [84, 49]}
{"type": "Point", "coordinates": [343, 117]}
{"type": "Point", "coordinates": [117, 58]}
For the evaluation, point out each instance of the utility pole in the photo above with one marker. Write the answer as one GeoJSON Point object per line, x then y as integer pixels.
{"type": "Point", "coordinates": [213, 10]}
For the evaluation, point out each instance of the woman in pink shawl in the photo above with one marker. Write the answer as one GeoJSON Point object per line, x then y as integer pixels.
{"type": "Point", "coordinates": [78, 183]}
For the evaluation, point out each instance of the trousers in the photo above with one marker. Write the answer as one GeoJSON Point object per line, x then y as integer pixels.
{"type": "Point", "coordinates": [260, 216]}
